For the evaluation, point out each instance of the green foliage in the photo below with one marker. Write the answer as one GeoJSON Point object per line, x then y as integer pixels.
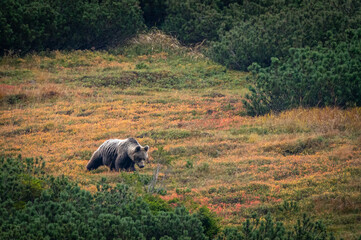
{"type": "Point", "coordinates": [241, 46]}
{"type": "Point", "coordinates": [141, 66]}
{"type": "Point", "coordinates": [270, 31]}
{"type": "Point", "coordinates": [268, 229]}
{"type": "Point", "coordinates": [18, 184]}
{"type": "Point", "coordinates": [189, 164]}
{"type": "Point", "coordinates": [192, 20]}
{"type": "Point", "coordinates": [54, 208]}
{"type": "Point", "coordinates": [154, 11]}
{"type": "Point", "coordinates": [26, 25]}
{"type": "Point", "coordinates": [291, 206]}
{"type": "Point", "coordinates": [243, 31]}
{"type": "Point", "coordinates": [43, 24]}
{"type": "Point", "coordinates": [309, 78]}
{"type": "Point", "coordinates": [210, 222]}
{"type": "Point", "coordinates": [136, 180]}
{"type": "Point", "coordinates": [156, 204]}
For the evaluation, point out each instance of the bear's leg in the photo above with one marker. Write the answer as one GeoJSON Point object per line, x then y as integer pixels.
{"type": "Point", "coordinates": [131, 168]}
{"type": "Point", "coordinates": [112, 166]}
{"type": "Point", "coordinates": [95, 161]}
{"type": "Point", "coordinates": [120, 162]}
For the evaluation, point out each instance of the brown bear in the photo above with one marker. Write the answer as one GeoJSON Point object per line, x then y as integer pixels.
{"type": "Point", "coordinates": [119, 154]}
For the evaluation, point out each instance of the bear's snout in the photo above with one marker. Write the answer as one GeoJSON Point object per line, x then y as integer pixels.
{"type": "Point", "coordinates": [140, 164]}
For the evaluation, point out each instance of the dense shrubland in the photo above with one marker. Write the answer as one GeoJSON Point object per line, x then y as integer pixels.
{"type": "Point", "coordinates": [275, 28]}
{"type": "Point", "coordinates": [254, 31]}
{"type": "Point", "coordinates": [45, 25]}
{"type": "Point", "coordinates": [316, 77]}
{"type": "Point", "coordinates": [44, 207]}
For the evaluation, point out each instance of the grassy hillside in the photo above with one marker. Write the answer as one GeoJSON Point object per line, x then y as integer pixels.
{"type": "Point", "coordinates": [63, 105]}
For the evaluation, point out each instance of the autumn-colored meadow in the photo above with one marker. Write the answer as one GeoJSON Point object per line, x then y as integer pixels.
{"type": "Point", "coordinates": [204, 151]}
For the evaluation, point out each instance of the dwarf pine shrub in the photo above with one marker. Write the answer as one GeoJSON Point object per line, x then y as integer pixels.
{"type": "Point", "coordinates": [37, 206]}
{"type": "Point", "coordinates": [309, 78]}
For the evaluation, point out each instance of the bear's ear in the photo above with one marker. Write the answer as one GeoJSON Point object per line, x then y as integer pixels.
{"type": "Point", "coordinates": [146, 148]}
{"type": "Point", "coordinates": [137, 148]}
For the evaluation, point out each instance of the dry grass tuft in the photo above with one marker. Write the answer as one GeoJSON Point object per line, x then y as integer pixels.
{"type": "Point", "coordinates": [320, 120]}
{"type": "Point", "coordinates": [157, 39]}
{"type": "Point", "coordinates": [26, 93]}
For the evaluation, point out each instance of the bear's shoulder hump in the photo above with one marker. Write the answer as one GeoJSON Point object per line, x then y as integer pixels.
{"type": "Point", "coordinates": [132, 140]}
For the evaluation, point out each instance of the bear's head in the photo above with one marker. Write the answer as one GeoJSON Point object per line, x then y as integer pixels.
{"type": "Point", "coordinates": [140, 155]}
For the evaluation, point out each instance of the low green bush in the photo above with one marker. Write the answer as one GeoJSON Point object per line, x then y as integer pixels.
{"type": "Point", "coordinates": [210, 222]}
{"type": "Point", "coordinates": [42, 24]}
{"type": "Point", "coordinates": [37, 206]}
{"type": "Point", "coordinates": [192, 21]}
{"type": "Point", "coordinates": [309, 78]}
{"type": "Point", "coordinates": [261, 30]}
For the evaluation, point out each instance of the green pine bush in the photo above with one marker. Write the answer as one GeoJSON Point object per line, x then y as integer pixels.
{"type": "Point", "coordinates": [262, 31]}
{"type": "Point", "coordinates": [43, 24]}
{"type": "Point", "coordinates": [309, 78]}
{"type": "Point", "coordinates": [192, 21]}
{"type": "Point", "coordinates": [55, 208]}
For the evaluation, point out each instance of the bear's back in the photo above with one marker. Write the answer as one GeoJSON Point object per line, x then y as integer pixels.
{"type": "Point", "coordinates": [112, 146]}
{"type": "Point", "coordinates": [114, 142]}
{"type": "Point", "coordinates": [108, 150]}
